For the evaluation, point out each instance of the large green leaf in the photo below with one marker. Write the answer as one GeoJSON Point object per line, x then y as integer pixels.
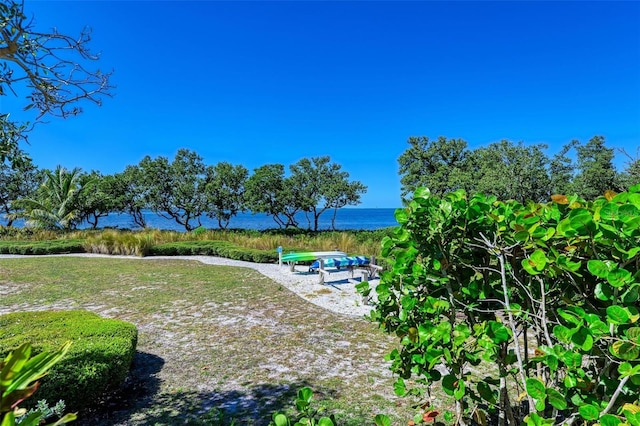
{"type": "Point", "coordinates": [625, 350]}
{"type": "Point", "coordinates": [534, 419]}
{"type": "Point", "coordinates": [37, 367]}
{"type": "Point", "coordinates": [583, 339]}
{"type": "Point", "coordinates": [382, 420]}
{"type": "Point", "coordinates": [399, 387]}
{"type": "Point", "coordinates": [449, 384]}
{"type": "Point", "coordinates": [280, 420]}
{"type": "Point", "coordinates": [632, 294]}
{"type": "Point", "coordinates": [598, 268]}
{"type": "Point", "coordinates": [459, 392]}
{"type": "Point", "coordinates": [617, 314]}
{"type": "Point", "coordinates": [498, 332]}
{"type": "Point", "coordinates": [589, 412]}
{"type": "Point", "coordinates": [485, 392]}
{"type": "Point", "coordinates": [562, 333]}
{"type": "Point", "coordinates": [582, 221]}
{"type": "Point", "coordinates": [618, 277]}
{"type": "Point", "coordinates": [556, 399]}
{"type": "Point", "coordinates": [628, 213]}
{"type": "Point", "coordinates": [609, 212]}
{"type": "Point", "coordinates": [535, 388]}
{"type": "Point", "coordinates": [610, 420]}
{"type": "Point", "coordinates": [602, 292]}
{"type": "Point", "coordinates": [633, 334]}
{"type": "Point", "coordinates": [325, 421]}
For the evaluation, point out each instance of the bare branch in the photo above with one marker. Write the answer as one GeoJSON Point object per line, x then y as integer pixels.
{"type": "Point", "coordinates": [50, 65]}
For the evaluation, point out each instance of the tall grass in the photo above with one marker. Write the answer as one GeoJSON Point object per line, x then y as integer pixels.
{"type": "Point", "coordinates": [138, 243]}
{"type": "Point", "coordinates": [120, 242]}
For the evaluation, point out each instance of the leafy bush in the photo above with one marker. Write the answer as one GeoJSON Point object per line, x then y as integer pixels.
{"type": "Point", "coordinates": [98, 361]}
{"type": "Point", "coordinates": [42, 247]}
{"type": "Point", "coordinates": [537, 301]}
{"type": "Point", "coordinates": [19, 375]}
{"type": "Point", "coordinates": [308, 416]}
{"type": "Point", "coordinates": [214, 248]}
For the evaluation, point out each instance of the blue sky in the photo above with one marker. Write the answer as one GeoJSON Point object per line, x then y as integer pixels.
{"type": "Point", "coordinates": [264, 82]}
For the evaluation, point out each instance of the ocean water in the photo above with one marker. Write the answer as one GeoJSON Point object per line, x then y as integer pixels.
{"type": "Point", "coordinates": [346, 219]}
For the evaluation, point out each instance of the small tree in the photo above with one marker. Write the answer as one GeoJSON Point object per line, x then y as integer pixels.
{"type": "Point", "coordinates": [268, 191]}
{"type": "Point", "coordinates": [320, 185]}
{"type": "Point", "coordinates": [18, 179]}
{"type": "Point", "coordinates": [596, 172]}
{"type": "Point", "coordinates": [225, 192]}
{"type": "Point", "coordinates": [127, 193]}
{"type": "Point", "coordinates": [176, 190]}
{"type": "Point", "coordinates": [55, 203]}
{"type": "Point", "coordinates": [95, 200]}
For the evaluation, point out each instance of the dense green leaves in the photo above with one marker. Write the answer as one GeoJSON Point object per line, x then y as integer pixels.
{"type": "Point", "coordinates": [472, 273]}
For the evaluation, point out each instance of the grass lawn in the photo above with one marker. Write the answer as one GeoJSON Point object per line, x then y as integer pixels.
{"type": "Point", "coordinates": [214, 341]}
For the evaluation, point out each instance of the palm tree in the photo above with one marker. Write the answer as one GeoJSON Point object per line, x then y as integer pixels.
{"type": "Point", "coordinates": [55, 204]}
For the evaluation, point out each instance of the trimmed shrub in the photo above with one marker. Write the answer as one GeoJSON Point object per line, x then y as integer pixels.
{"type": "Point", "coordinates": [97, 362]}
{"type": "Point", "coordinates": [214, 248]}
{"type": "Point", "coordinates": [42, 247]}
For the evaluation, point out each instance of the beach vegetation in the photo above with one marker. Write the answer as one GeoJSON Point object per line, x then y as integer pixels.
{"type": "Point", "coordinates": [532, 309]}
{"type": "Point", "coordinates": [513, 171]}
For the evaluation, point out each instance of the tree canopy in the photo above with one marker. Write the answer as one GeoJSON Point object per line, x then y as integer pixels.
{"type": "Point", "coordinates": [511, 171]}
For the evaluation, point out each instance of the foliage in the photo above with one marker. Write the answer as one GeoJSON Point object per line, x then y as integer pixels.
{"type": "Point", "coordinates": [127, 193]}
{"type": "Point", "coordinates": [11, 134]}
{"type": "Point", "coordinates": [225, 192]}
{"type": "Point", "coordinates": [176, 190]}
{"type": "Point", "coordinates": [42, 247]}
{"type": "Point", "coordinates": [256, 246]}
{"type": "Point", "coordinates": [55, 204]}
{"type": "Point", "coordinates": [320, 185]}
{"type": "Point", "coordinates": [314, 186]}
{"type": "Point", "coordinates": [214, 248]}
{"type": "Point", "coordinates": [19, 375]}
{"type": "Point", "coordinates": [535, 301]}
{"type": "Point", "coordinates": [18, 179]}
{"type": "Point", "coordinates": [44, 411]}
{"type": "Point", "coordinates": [562, 169]}
{"type": "Point", "coordinates": [439, 165]}
{"type": "Point", "coordinates": [631, 174]}
{"type": "Point", "coordinates": [95, 199]}
{"type": "Point", "coordinates": [98, 361]}
{"type": "Point", "coordinates": [268, 191]}
{"type": "Point", "coordinates": [596, 170]}
{"type": "Point", "coordinates": [308, 415]}
{"type": "Point", "coordinates": [508, 171]}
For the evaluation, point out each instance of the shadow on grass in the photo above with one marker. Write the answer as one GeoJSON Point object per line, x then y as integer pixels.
{"type": "Point", "coordinates": [140, 402]}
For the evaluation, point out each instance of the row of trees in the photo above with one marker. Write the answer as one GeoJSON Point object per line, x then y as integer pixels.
{"type": "Point", "coordinates": [183, 190]}
{"type": "Point", "coordinates": [515, 171]}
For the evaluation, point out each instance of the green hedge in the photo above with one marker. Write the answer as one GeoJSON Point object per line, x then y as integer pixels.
{"type": "Point", "coordinates": [42, 247]}
{"type": "Point", "coordinates": [214, 248]}
{"type": "Point", "coordinates": [98, 361]}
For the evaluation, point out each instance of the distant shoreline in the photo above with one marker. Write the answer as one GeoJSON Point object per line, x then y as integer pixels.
{"type": "Point", "coordinates": [347, 219]}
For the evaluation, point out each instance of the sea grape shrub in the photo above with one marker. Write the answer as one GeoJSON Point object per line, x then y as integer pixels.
{"type": "Point", "coordinates": [521, 313]}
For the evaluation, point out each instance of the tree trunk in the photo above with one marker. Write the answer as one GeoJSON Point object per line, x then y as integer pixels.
{"type": "Point", "coordinates": [333, 219]}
